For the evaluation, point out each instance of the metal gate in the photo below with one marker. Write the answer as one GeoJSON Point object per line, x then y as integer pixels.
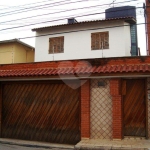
{"type": "Point", "coordinates": [41, 111]}
{"type": "Point", "coordinates": [134, 108]}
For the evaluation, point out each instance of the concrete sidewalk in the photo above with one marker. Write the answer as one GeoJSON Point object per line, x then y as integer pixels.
{"type": "Point", "coordinates": [35, 144]}
{"type": "Point", "coordinates": [126, 144]}
{"type": "Point", "coordinates": [86, 144]}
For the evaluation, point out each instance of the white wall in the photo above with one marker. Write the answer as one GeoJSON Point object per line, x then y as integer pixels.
{"type": "Point", "coordinates": [77, 45]}
{"type": "Point", "coordinates": [127, 39]}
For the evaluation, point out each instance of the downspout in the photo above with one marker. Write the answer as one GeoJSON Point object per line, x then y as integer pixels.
{"type": "Point", "coordinates": [146, 33]}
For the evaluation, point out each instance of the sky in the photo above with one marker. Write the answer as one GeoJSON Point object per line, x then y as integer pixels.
{"type": "Point", "coordinates": [18, 18]}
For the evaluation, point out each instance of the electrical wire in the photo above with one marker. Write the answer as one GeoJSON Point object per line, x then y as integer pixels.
{"type": "Point", "coordinates": [63, 11]}
{"type": "Point", "coordinates": [63, 19]}
{"type": "Point", "coordinates": [10, 7]}
{"type": "Point", "coordinates": [34, 8]}
{"type": "Point", "coordinates": [25, 29]}
{"type": "Point", "coordinates": [82, 30]}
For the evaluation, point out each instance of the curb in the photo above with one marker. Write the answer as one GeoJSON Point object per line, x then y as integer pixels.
{"type": "Point", "coordinates": [36, 144]}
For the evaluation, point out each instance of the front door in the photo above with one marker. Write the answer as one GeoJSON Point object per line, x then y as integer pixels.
{"type": "Point", "coordinates": [134, 108]}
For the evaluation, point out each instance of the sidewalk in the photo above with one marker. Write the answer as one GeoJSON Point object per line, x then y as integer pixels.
{"type": "Point", "coordinates": [126, 144]}
{"type": "Point", "coordinates": [35, 144]}
{"type": "Point", "coordinates": [86, 144]}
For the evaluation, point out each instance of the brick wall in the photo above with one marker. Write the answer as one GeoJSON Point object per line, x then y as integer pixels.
{"type": "Point", "coordinates": [101, 110]}
{"type": "Point", "coordinates": [78, 63]}
{"type": "Point", "coordinates": [115, 86]}
{"type": "Point", "coordinates": [148, 24]}
{"type": "Point", "coordinates": [85, 109]}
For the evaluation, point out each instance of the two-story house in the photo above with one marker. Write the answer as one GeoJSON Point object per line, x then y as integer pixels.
{"type": "Point", "coordinates": [114, 36]}
{"type": "Point", "coordinates": [80, 100]}
{"type": "Point", "coordinates": [15, 51]}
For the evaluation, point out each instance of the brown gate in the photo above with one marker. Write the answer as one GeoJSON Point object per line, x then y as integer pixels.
{"type": "Point", "coordinates": [134, 108]}
{"type": "Point", "coordinates": [40, 111]}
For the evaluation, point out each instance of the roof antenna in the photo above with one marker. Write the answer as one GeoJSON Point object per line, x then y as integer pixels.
{"type": "Point", "coordinates": [113, 3]}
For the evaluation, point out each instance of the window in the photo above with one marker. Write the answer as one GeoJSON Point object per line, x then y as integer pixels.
{"type": "Point", "coordinates": [56, 45]}
{"type": "Point", "coordinates": [99, 40]}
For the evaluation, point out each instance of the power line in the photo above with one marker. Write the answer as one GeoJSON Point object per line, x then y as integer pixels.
{"type": "Point", "coordinates": [63, 11]}
{"type": "Point", "coordinates": [3, 32]}
{"type": "Point", "coordinates": [5, 14]}
{"type": "Point", "coordinates": [63, 19]}
{"type": "Point", "coordinates": [10, 7]}
{"type": "Point", "coordinates": [82, 30]}
{"type": "Point", "coordinates": [33, 8]}
{"type": "Point", "coordinates": [44, 19]}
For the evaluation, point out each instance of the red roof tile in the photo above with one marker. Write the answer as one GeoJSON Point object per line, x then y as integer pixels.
{"type": "Point", "coordinates": [130, 68]}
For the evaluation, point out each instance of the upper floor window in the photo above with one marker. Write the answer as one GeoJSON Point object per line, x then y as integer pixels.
{"type": "Point", "coordinates": [56, 45]}
{"type": "Point", "coordinates": [99, 40]}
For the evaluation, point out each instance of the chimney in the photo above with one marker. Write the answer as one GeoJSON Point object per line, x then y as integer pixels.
{"type": "Point", "coordinates": [72, 20]}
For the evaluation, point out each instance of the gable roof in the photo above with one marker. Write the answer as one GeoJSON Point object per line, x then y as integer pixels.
{"type": "Point", "coordinates": [18, 41]}
{"type": "Point", "coordinates": [126, 19]}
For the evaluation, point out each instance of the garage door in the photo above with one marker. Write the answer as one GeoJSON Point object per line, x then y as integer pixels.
{"type": "Point", "coordinates": [43, 111]}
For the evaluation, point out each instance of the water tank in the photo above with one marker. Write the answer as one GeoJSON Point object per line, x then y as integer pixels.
{"type": "Point", "coordinates": [126, 11]}
{"type": "Point", "coordinates": [72, 20]}
{"type": "Point", "coordinates": [117, 12]}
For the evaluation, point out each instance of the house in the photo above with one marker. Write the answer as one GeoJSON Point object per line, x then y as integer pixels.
{"type": "Point", "coordinates": [15, 51]}
{"type": "Point", "coordinates": [70, 101]}
{"type": "Point", "coordinates": [148, 25]}
{"type": "Point", "coordinates": [115, 36]}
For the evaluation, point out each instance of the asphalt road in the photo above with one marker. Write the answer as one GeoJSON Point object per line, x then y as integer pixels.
{"type": "Point", "coordinates": [16, 147]}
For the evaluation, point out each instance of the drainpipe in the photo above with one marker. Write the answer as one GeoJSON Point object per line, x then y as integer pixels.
{"type": "Point", "coordinates": [146, 35]}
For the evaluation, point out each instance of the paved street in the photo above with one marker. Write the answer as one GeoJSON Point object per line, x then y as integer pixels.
{"type": "Point", "coordinates": [16, 147]}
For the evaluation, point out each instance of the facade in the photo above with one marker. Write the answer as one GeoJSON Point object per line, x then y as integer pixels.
{"type": "Point", "coordinates": [148, 25]}
{"type": "Point", "coordinates": [68, 101]}
{"type": "Point", "coordinates": [15, 51]}
{"type": "Point", "coordinates": [84, 40]}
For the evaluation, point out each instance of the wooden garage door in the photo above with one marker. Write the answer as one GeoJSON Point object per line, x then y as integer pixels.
{"type": "Point", "coordinates": [41, 112]}
{"type": "Point", "coordinates": [134, 108]}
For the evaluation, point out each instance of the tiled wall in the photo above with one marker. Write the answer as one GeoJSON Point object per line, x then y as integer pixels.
{"type": "Point", "coordinates": [100, 109]}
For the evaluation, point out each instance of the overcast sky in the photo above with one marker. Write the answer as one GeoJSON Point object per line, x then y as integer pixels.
{"type": "Point", "coordinates": [37, 11]}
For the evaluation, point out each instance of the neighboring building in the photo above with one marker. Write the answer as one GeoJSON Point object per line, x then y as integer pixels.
{"type": "Point", "coordinates": [148, 25]}
{"type": "Point", "coordinates": [15, 51]}
{"type": "Point", "coordinates": [77, 41]}
{"type": "Point", "coordinates": [70, 101]}
{"type": "Point", "coordinates": [111, 37]}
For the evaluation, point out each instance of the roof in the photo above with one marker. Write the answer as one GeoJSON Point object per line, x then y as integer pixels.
{"type": "Point", "coordinates": [126, 19]}
{"type": "Point", "coordinates": [82, 70]}
{"type": "Point", "coordinates": [103, 66]}
{"type": "Point", "coordinates": [16, 40]}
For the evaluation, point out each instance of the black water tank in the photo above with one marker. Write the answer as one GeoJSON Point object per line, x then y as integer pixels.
{"type": "Point", "coordinates": [117, 12]}
{"type": "Point", "coordinates": [72, 20]}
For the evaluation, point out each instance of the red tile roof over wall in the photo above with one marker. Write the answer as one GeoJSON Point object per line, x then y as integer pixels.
{"type": "Point", "coordinates": [92, 66]}
{"type": "Point", "coordinates": [83, 70]}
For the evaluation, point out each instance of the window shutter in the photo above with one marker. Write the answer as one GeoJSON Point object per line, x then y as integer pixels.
{"type": "Point", "coordinates": [51, 46]}
{"type": "Point", "coordinates": [92, 41]}
{"type": "Point", "coordinates": [106, 40]}
{"type": "Point", "coordinates": [56, 45]}
{"type": "Point", "coordinates": [99, 40]}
